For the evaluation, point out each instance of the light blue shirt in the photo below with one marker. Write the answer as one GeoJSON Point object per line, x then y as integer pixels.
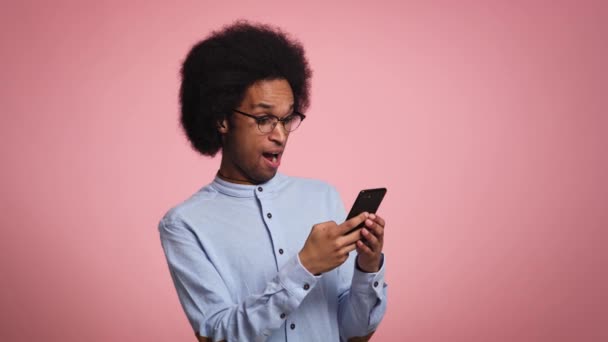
{"type": "Point", "coordinates": [232, 251]}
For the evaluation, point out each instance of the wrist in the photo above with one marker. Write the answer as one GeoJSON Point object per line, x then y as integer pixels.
{"type": "Point", "coordinates": [371, 267]}
{"type": "Point", "coordinates": [307, 263]}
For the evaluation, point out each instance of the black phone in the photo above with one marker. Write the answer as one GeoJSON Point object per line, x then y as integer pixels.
{"type": "Point", "coordinates": [368, 200]}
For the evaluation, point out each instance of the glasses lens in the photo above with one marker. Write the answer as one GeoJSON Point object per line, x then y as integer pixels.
{"type": "Point", "coordinates": [292, 122]}
{"type": "Point", "coordinates": [267, 124]}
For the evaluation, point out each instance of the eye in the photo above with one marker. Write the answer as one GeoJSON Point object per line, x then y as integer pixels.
{"type": "Point", "coordinates": [264, 120]}
{"type": "Point", "coordinates": [289, 119]}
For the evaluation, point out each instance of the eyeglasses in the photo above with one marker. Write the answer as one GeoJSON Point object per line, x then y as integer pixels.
{"type": "Point", "coordinates": [267, 123]}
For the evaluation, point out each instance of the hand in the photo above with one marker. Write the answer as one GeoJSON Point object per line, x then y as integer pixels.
{"type": "Point", "coordinates": [370, 251]}
{"type": "Point", "coordinates": [327, 247]}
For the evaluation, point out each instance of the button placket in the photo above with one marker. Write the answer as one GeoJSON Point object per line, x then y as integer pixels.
{"type": "Point", "coordinates": [267, 210]}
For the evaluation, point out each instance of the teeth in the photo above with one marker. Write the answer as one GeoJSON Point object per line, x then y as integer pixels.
{"type": "Point", "coordinates": [274, 158]}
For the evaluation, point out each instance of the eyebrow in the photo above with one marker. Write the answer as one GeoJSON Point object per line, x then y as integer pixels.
{"type": "Point", "coordinates": [268, 106]}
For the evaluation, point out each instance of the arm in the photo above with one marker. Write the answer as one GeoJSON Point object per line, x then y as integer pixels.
{"type": "Point", "coordinates": [207, 301]}
{"type": "Point", "coordinates": [205, 339]}
{"type": "Point", "coordinates": [362, 299]}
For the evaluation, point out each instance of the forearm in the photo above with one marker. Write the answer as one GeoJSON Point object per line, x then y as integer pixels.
{"type": "Point", "coordinates": [209, 303]}
{"type": "Point", "coordinates": [206, 339]}
{"type": "Point", "coordinates": [258, 315]}
{"type": "Point", "coordinates": [362, 306]}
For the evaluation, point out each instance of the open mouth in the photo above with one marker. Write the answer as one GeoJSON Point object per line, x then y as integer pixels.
{"type": "Point", "coordinates": [273, 158]}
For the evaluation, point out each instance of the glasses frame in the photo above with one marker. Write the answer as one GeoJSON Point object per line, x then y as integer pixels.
{"type": "Point", "coordinates": [258, 120]}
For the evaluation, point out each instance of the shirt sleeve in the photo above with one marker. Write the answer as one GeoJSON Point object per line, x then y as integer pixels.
{"type": "Point", "coordinates": [362, 296]}
{"type": "Point", "coordinates": [207, 301]}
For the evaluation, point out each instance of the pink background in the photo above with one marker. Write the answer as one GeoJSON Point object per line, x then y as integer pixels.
{"type": "Point", "coordinates": [485, 120]}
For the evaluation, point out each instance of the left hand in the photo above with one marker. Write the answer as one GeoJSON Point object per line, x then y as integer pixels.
{"type": "Point", "coordinates": [370, 251]}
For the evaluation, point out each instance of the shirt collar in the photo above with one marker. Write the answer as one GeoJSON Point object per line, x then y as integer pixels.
{"type": "Point", "coordinates": [245, 190]}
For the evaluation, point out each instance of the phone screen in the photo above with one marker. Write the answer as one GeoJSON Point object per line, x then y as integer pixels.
{"type": "Point", "coordinates": [368, 200]}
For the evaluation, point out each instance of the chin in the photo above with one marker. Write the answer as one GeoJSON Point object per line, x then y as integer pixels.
{"type": "Point", "coordinates": [263, 178]}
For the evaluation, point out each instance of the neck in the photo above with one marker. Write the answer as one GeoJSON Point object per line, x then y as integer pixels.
{"type": "Point", "coordinates": [233, 180]}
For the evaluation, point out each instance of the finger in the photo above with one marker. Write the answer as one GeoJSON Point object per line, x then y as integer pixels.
{"type": "Point", "coordinates": [378, 219]}
{"type": "Point", "coordinates": [375, 228]}
{"type": "Point", "coordinates": [348, 248]}
{"type": "Point", "coordinates": [350, 238]}
{"type": "Point", "coordinates": [364, 249]}
{"type": "Point", "coordinates": [372, 240]}
{"type": "Point", "coordinates": [352, 223]}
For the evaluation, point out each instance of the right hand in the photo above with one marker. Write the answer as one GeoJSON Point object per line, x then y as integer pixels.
{"type": "Point", "coordinates": [327, 247]}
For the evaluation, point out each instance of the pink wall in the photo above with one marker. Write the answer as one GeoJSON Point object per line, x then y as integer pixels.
{"type": "Point", "coordinates": [485, 120]}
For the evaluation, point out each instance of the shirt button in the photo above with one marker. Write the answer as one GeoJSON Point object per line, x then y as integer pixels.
{"type": "Point", "coordinates": [260, 189]}
{"type": "Point", "coordinates": [292, 326]}
{"type": "Point", "coordinates": [306, 286]}
{"type": "Point", "coordinates": [282, 315]}
{"type": "Point", "coordinates": [375, 284]}
{"type": "Point", "coordinates": [280, 250]}
{"type": "Point", "coordinates": [269, 215]}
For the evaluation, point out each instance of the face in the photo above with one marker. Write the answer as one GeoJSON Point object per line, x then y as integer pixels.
{"type": "Point", "coordinates": [248, 155]}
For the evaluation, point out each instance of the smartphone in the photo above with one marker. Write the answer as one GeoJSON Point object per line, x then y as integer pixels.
{"type": "Point", "coordinates": [368, 200]}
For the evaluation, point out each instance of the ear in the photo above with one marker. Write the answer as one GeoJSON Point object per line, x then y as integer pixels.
{"type": "Point", "coordinates": [222, 126]}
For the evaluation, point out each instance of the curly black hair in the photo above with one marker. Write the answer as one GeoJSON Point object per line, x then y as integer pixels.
{"type": "Point", "coordinates": [219, 69]}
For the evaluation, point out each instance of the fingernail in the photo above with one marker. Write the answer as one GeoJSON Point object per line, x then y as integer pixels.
{"type": "Point", "coordinates": [372, 216]}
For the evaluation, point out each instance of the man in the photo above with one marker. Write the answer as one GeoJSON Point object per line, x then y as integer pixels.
{"type": "Point", "coordinates": [257, 255]}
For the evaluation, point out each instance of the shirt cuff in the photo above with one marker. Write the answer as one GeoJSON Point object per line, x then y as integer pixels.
{"type": "Point", "coordinates": [296, 280]}
{"type": "Point", "coordinates": [364, 282]}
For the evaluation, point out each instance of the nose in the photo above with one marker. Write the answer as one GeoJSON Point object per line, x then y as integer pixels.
{"type": "Point", "coordinates": [278, 134]}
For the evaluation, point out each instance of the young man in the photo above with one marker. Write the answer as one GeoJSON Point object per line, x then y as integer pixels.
{"type": "Point", "coordinates": [257, 255]}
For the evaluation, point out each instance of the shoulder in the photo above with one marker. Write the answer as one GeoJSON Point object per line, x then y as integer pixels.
{"type": "Point", "coordinates": [180, 213]}
{"type": "Point", "coordinates": [311, 189]}
{"type": "Point", "coordinates": [319, 194]}
{"type": "Point", "coordinates": [310, 184]}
